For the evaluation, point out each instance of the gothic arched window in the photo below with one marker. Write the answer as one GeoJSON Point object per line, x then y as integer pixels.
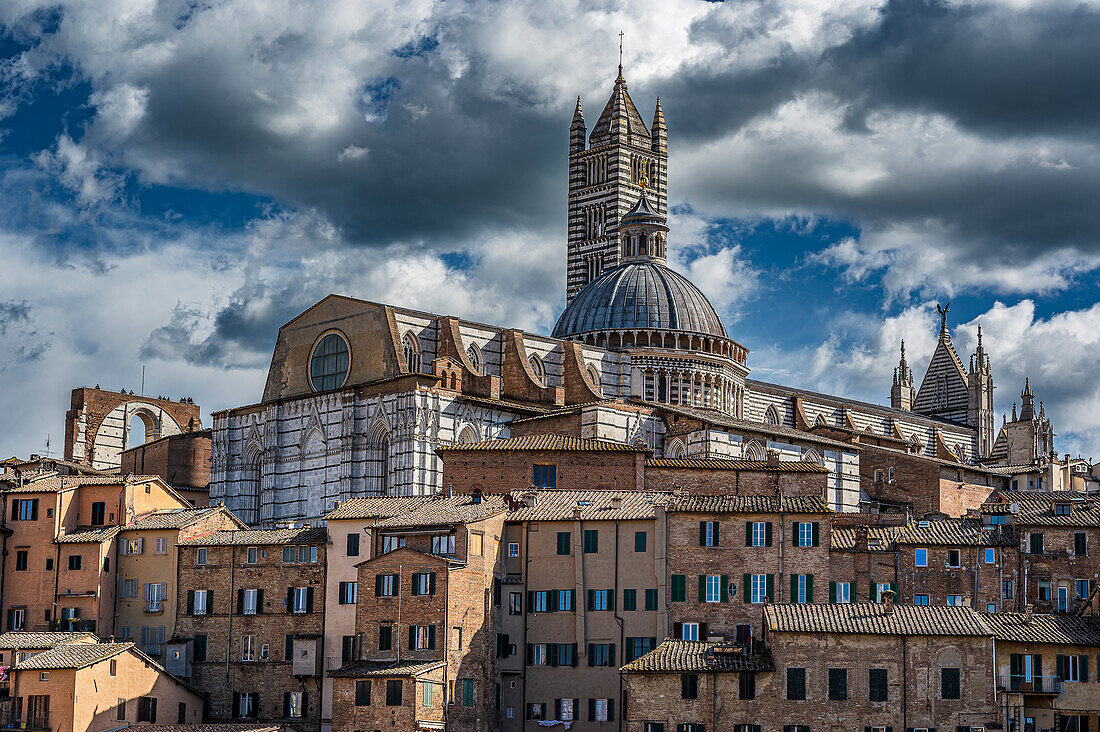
{"type": "Point", "coordinates": [771, 416]}
{"type": "Point", "coordinates": [474, 354]}
{"type": "Point", "coordinates": [411, 345]}
{"type": "Point", "coordinates": [537, 369]}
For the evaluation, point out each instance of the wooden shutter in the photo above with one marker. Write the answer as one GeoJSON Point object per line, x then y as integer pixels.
{"type": "Point", "coordinates": [702, 588]}
{"type": "Point", "coordinates": [431, 636]}
{"type": "Point", "coordinates": [768, 534]}
{"type": "Point", "coordinates": [190, 602]}
{"type": "Point", "coordinates": [431, 583]}
{"type": "Point", "coordinates": [412, 637]}
{"type": "Point", "coordinates": [771, 587]}
{"type": "Point", "coordinates": [746, 587]}
{"type": "Point", "coordinates": [725, 590]}
{"type": "Point", "coordinates": [814, 534]}
{"type": "Point", "coordinates": [240, 602]}
{"type": "Point", "coordinates": [796, 537]}
{"type": "Point", "coordinates": [748, 533]}
{"type": "Point", "coordinates": [259, 601]}
{"type": "Point", "coordinates": [809, 588]}
{"type": "Point", "coordinates": [832, 592]}
{"type": "Point", "coordinates": [702, 533]}
{"type": "Point", "coordinates": [309, 599]}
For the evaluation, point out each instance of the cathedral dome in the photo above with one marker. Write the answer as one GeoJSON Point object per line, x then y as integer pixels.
{"type": "Point", "coordinates": [640, 295]}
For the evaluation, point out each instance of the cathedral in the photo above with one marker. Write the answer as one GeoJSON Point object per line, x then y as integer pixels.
{"type": "Point", "coordinates": [360, 395]}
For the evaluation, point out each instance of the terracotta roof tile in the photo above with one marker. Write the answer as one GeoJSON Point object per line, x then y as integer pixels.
{"type": "Point", "coordinates": [680, 656]}
{"type": "Point", "coordinates": [875, 619]}
{"type": "Point", "coordinates": [261, 537]}
{"type": "Point", "coordinates": [561, 505]}
{"type": "Point", "coordinates": [89, 536]}
{"type": "Point", "coordinates": [444, 510]}
{"type": "Point", "coordinates": [843, 538]}
{"type": "Point", "coordinates": [954, 532]}
{"type": "Point", "coordinates": [362, 669]}
{"type": "Point", "coordinates": [20, 640]}
{"type": "Point", "coordinates": [1057, 629]}
{"type": "Point", "coordinates": [558, 443]}
{"type": "Point", "coordinates": [176, 518]}
{"type": "Point", "coordinates": [217, 727]}
{"type": "Point", "coordinates": [380, 507]}
{"type": "Point", "coordinates": [1038, 509]}
{"type": "Point", "coordinates": [72, 655]}
{"type": "Point", "coordinates": [760, 466]}
{"type": "Point", "coordinates": [748, 504]}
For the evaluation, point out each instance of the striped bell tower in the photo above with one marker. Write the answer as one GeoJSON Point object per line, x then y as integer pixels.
{"type": "Point", "coordinates": [607, 173]}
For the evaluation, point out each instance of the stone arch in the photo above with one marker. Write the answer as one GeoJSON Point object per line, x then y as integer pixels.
{"type": "Point", "coordinates": [771, 416]}
{"type": "Point", "coordinates": [112, 435]}
{"type": "Point", "coordinates": [248, 499]}
{"type": "Point", "coordinates": [410, 344]}
{"type": "Point", "coordinates": [754, 450]}
{"type": "Point", "coordinates": [811, 456]}
{"type": "Point", "coordinates": [537, 368]}
{"type": "Point", "coordinates": [820, 421]}
{"type": "Point", "coordinates": [468, 434]}
{"type": "Point", "coordinates": [594, 378]}
{"type": "Point", "coordinates": [473, 351]}
{"type": "Point", "coordinates": [674, 449]}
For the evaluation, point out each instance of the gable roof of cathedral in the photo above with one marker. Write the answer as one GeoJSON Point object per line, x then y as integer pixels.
{"type": "Point", "coordinates": [944, 365]}
{"type": "Point", "coordinates": [619, 116]}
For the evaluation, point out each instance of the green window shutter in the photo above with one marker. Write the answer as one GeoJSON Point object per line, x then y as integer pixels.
{"type": "Point", "coordinates": [793, 597]}
{"type": "Point", "coordinates": [814, 534]}
{"type": "Point", "coordinates": [702, 588]}
{"type": "Point", "coordinates": [1083, 661]}
{"type": "Point", "coordinates": [768, 534]}
{"type": "Point", "coordinates": [748, 533]}
{"type": "Point", "coordinates": [679, 588]}
{"type": "Point", "coordinates": [1061, 667]}
{"type": "Point", "coordinates": [639, 541]}
{"type": "Point", "coordinates": [746, 587]}
{"type": "Point", "coordinates": [702, 533]}
{"type": "Point", "coordinates": [832, 593]}
{"type": "Point", "coordinates": [874, 591]}
{"type": "Point", "coordinates": [771, 588]}
{"type": "Point", "coordinates": [794, 533]}
{"type": "Point", "coordinates": [809, 588]}
{"type": "Point", "coordinates": [717, 541]}
{"type": "Point", "coordinates": [725, 588]}
{"type": "Point", "coordinates": [894, 589]}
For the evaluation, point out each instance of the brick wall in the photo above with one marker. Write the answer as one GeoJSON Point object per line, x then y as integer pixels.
{"type": "Point", "coordinates": [736, 482]}
{"type": "Point", "coordinates": [499, 472]}
{"type": "Point", "coordinates": [181, 460]}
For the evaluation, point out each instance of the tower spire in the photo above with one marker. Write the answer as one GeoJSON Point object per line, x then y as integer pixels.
{"type": "Point", "coordinates": [620, 79]}
{"type": "Point", "coordinates": [901, 393]}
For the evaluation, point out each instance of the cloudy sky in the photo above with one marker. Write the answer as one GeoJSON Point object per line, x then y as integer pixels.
{"type": "Point", "coordinates": [178, 178]}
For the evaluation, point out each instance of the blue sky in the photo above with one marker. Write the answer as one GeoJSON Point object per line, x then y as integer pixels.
{"type": "Point", "coordinates": [178, 179]}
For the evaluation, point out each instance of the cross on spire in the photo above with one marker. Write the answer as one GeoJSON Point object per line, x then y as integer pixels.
{"type": "Point", "coordinates": [620, 57]}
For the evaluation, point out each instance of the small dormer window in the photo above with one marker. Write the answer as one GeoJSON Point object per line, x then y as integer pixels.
{"type": "Point", "coordinates": [1063, 509]}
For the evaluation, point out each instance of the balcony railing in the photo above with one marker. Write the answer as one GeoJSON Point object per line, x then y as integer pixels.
{"type": "Point", "coordinates": [1030, 685]}
{"type": "Point", "coordinates": [154, 606]}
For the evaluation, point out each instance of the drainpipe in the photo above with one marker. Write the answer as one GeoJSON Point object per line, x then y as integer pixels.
{"type": "Point", "coordinates": [904, 683]}
{"type": "Point", "coordinates": [232, 598]}
{"type": "Point", "coordinates": [619, 620]}
{"type": "Point", "coordinates": [526, 613]}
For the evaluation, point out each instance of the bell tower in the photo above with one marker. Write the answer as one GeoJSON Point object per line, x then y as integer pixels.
{"type": "Point", "coordinates": [979, 413]}
{"type": "Point", "coordinates": [607, 174]}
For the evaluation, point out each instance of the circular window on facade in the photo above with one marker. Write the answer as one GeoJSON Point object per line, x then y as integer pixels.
{"type": "Point", "coordinates": [328, 367]}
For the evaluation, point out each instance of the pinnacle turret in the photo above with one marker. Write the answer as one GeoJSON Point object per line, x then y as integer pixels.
{"type": "Point", "coordinates": [658, 130]}
{"type": "Point", "coordinates": [902, 392]}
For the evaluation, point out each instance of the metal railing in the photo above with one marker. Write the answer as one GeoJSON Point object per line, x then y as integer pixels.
{"type": "Point", "coordinates": [1030, 684]}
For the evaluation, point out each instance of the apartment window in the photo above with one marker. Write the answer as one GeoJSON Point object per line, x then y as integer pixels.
{"type": "Point", "coordinates": [393, 693]}
{"type": "Point", "coordinates": [689, 631]}
{"type": "Point", "coordinates": [689, 686]}
{"type": "Point", "coordinates": [878, 476]}
{"type": "Point", "coordinates": [466, 687]}
{"type": "Point", "coordinates": [713, 588]}
{"type": "Point", "coordinates": [147, 709]}
{"type": "Point", "coordinates": [921, 558]}
{"type": "Point", "coordinates": [802, 588]}
{"type": "Point", "coordinates": [991, 607]}
{"type": "Point", "coordinates": [385, 585]}
{"type": "Point", "coordinates": [352, 545]}
{"type": "Point", "coordinates": [1063, 599]}
{"type": "Point", "coordinates": [161, 546]}
{"type": "Point", "coordinates": [889, 475]}
{"type": "Point", "coordinates": [538, 601]}
{"type": "Point", "coordinates": [601, 600]}
{"type": "Point", "coordinates": [515, 603]}
{"type": "Point", "coordinates": [24, 510]}
{"type": "Point", "coordinates": [877, 685]}
{"type": "Point", "coordinates": [391, 543]}
{"type": "Point", "coordinates": [200, 556]}
{"type": "Point", "coordinates": [1072, 668]}
{"type": "Point", "coordinates": [708, 533]}
{"type": "Point", "coordinates": [536, 654]}
{"type": "Point", "coordinates": [840, 592]}
{"type": "Point", "coordinates": [536, 710]}
{"type": "Point", "coordinates": [639, 541]}
{"type": "Point", "coordinates": [456, 639]}
{"type": "Point", "coordinates": [990, 555]}
{"type": "Point", "coordinates": [299, 599]}
{"type": "Point", "coordinates": [347, 648]}
{"type": "Point", "coordinates": [246, 706]}
{"type": "Point", "coordinates": [1062, 509]}
{"type": "Point", "coordinates": [759, 533]}
{"type": "Point", "coordinates": [601, 710]}
{"type": "Point", "coordinates": [444, 544]}
{"type": "Point", "coordinates": [1079, 544]}
{"type": "Point", "coordinates": [759, 591]}
{"type": "Point", "coordinates": [421, 637]}
{"type": "Point", "coordinates": [74, 562]}
{"type": "Point", "coordinates": [133, 546]}
{"type": "Point", "coordinates": [796, 684]}
{"type": "Point", "coordinates": [112, 669]}
{"type": "Point", "coordinates": [476, 541]}
{"type": "Point", "coordinates": [566, 710]}
{"type": "Point", "coordinates": [385, 637]}
{"type": "Point", "coordinates": [1082, 588]}
{"type": "Point", "coordinates": [996, 519]}
{"type": "Point", "coordinates": [601, 654]}
{"type": "Point", "coordinates": [953, 558]}
{"type": "Point", "coordinates": [591, 541]}
{"type": "Point", "coordinates": [362, 693]}
{"type": "Point", "coordinates": [120, 711]}
{"type": "Point", "coordinates": [294, 703]}
{"type": "Point", "coordinates": [200, 602]}
{"type": "Point", "coordinates": [950, 683]}
{"type": "Point", "coordinates": [427, 692]}
{"type": "Point", "coordinates": [955, 600]}
{"type": "Point", "coordinates": [653, 727]}
{"type": "Point", "coordinates": [423, 583]}
{"type": "Point", "coordinates": [651, 600]}
{"type": "Point", "coordinates": [248, 602]}
{"type": "Point", "coordinates": [565, 543]}
{"type": "Point", "coordinates": [251, 555]}
{"type": "Point", "coordinates": [1043, 586]}
{"type": "Point", "coordinates": [21, 558]}
{"type": "Point", "coordinates": [1036, 543]}
{"type": "Point", "coordinates": [49, 564]}
{"type": "Point", "coordinates": [545, 476]}
{"type": "Point", "coordinates": [513, 551]}
{"type": "Point", "coordinates": [307, 554]}
{"type": "Point", "coordinates": [98, 513]}
{"type": "Point", "coordinates": [838, 684]}
{"type": "Point", "coordinates": [920, 599]}
{"type": "Point", "coordinates": [200, 648]}
{"type": "Point", "coordinates": [248, 648]}
{"type": "Point", "coordinates": [746, 686]}
{"type": "Point", "coordinates": [1006, 590]}
{"type": "Point", "coordinates": [638, 647]}
{"type": "Point", "coordinates": [348, 593]}
{"type": "Point", "coordinates": [806, 533]}
{"type": "Point", "coordinates": [564, 600]}
{"type": "Point", "coordinates": [630, 599]}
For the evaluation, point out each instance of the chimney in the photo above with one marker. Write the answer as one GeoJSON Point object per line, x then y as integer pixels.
{"type": "Point", "coordinates": [968, 601]}
{"type": "Point", "coordinates": [773, 459]}
{"type": "Point", "coordinates": [616, 502]}
{"type": "Point", "coordinates": [1027, 613]}
{"type": "Point", "coordinates": [861, 538]}
{"type": "Point", "coordinates": [477, 495]}
{"type": "Point", "coordinates": [887, 597]}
